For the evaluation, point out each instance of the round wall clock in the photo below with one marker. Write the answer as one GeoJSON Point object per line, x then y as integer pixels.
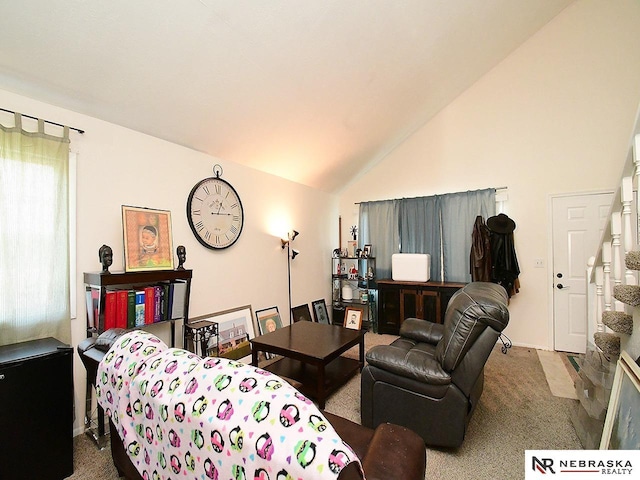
{"type": "Point", "coordinates": [214, 211]}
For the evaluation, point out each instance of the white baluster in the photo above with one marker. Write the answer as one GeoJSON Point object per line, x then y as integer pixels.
{"type": "Point", "coordinates": [636, 158]}
{"type": "Point", "coordinates": [636, 163]}
{"type": "Point", "coordinates": [616, 232]}
{"type": "Point", "coordinates": [627, 236]}
{"type": "Point", "coordinates": [599, 297]}
{"type": "Point", "coordinates": [606, 265]}
{"type": "Point", "coordinates": [590, 295]}
{"type": "Point", "coordinates": [616, 251]}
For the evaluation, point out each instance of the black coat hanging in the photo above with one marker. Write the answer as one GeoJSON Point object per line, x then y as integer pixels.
{"type": "Point", "coordinates": [504, 267]}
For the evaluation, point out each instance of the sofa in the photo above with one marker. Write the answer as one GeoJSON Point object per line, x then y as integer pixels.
{"type": "Point", "coordinates": [386, 452]}
{"type": "Point", "coordinates": [431, 378]}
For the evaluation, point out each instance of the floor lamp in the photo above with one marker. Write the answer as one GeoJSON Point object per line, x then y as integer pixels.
{"type": "Point", "coordinates": [291, 255]}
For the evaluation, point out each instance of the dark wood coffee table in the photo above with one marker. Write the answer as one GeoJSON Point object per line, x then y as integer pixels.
{"type": "Point", "coordinates": [311, 355]}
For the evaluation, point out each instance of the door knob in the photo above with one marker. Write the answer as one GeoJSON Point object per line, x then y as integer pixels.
{"type": "Point", "coordinates": [560, 286]}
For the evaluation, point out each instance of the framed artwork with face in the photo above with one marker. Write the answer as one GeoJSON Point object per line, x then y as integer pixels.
{"type": "Point", "coordinates": [268, 320]}
{"type": "Point", "coordinates": [320, 311]}
{"type": "Point", "coordinates": [353, 318]}
{"type": "Point", "coordinates": [147, 239]}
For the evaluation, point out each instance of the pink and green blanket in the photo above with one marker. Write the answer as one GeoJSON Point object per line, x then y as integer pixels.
{"type": "Point", "coordinates": [185, 417]}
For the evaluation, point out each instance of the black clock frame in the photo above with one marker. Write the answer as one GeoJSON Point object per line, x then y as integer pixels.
{"type": "Point", "coordinates": [190, 220]}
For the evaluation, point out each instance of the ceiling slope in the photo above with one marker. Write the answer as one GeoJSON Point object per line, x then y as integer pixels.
{"type": "Point", "coordinates": [314, 91]}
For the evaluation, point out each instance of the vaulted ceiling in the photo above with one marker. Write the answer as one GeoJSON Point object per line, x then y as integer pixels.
{"type": "Point", "coordinates": [315, 91]}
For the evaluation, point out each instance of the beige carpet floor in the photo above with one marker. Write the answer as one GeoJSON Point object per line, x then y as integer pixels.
{"type": "Point", "coordinates": [517, 411]}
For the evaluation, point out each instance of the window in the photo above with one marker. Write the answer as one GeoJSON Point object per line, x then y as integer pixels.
{"type": "Point", "coordinates": [34, 234]}
{"type": "Point", "coordinates": [440, 225]}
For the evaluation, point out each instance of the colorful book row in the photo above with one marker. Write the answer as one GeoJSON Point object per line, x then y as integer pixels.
{"type": "Point", "coordinates": [136, 307]}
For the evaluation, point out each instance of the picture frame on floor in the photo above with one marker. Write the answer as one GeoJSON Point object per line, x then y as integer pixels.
{"type": "Point", "coordinates": [301, 313]}
{"type": "Point", "coordinates": [235, 329]}
{"type": "Point", "coordinates": [148, 244]}
{"type": "Point", "coordinates": [353, 318]}
{"type": "Point", "coordinates": [268, 320]}
{"type": "Point", "coordinates": [320, 313]}
{"type": "Point", "coordinates": [622, 424]}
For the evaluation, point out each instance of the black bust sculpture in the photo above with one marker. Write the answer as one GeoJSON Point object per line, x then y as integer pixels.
{"type": "Point", "coordinates": [106, 257]}
{"type": "Point", "coordinates": [182, 256]}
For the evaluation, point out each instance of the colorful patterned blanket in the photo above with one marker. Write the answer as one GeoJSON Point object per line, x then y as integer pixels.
{"type": "Point", "coordinates": [184, 417]}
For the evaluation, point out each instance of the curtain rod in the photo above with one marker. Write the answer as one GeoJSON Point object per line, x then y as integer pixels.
{"type": "Point", "coordinates": [45, 121]}
{"type": "Point", "coordinates": [495, 188]}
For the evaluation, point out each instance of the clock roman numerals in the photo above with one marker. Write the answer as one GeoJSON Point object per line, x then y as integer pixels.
{"type": "Point", "coordinates": [215, 213]}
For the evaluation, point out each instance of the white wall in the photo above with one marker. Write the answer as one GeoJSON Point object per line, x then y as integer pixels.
{"type": "Point", "coordinates": [118, 166]}
{"type": "Point", "coordinates": [554, 117]}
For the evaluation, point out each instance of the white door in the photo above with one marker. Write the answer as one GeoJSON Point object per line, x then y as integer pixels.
{"type": "Point", "coordinates": [577, 224]}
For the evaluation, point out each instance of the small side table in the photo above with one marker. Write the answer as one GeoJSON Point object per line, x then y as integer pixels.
{"type": "Point", "coordinates": [198, 334]}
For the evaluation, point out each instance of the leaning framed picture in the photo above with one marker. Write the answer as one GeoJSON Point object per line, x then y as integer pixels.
{"type": "Point", "coordinates": [268, 320]}
{"type": "Point", "coordinates": [622, 424]}
{"type": "Point", "coordinates": [147, 239]}
{"type": "Point", "coordinates": [353, 318]}
{"type": "Point", "coordinates": [235, 329]}
{"type": "Point", "coordinates": [301, 313]}
{"type": "Point", "coordinates": [320, 311]}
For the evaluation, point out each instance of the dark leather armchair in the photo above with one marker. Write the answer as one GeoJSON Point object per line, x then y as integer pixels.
{"type": "Point", "coordinates": [431, 378]}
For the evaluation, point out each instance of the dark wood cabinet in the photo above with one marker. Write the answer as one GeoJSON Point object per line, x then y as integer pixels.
{"type": "Point", "coordinates": [400, 300]}
{"type": "Point", "coordinates": [36, 410]}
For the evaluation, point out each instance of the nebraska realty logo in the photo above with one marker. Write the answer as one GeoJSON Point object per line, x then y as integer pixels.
{"type": "Point", "coordinates": [581, 464]}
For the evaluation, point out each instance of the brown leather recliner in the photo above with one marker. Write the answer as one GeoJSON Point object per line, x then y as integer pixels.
{"type": "Point", "coordinates": [431, 378]}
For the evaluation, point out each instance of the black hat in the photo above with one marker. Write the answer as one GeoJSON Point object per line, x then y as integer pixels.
{"type": "Point", "coordinates": [501, 224]}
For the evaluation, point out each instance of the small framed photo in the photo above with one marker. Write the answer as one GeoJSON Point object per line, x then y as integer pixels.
{"type": "Point", "coordinates": [353, 318]}
{"type": "Point", "coordinates": [622, 424]}
{"type": "Point", "coordinates": [301, 313]}
{"type": "Point", "coordinates": [147, 239]}
{"type": "Point", "coordinates": [366, 251]}
{"type": "Point", "coordinates": [268, 320]}
{"type": "Point", "coordinates": [320, 311]}
{"type": "Point", "coordinates": [235, 329]}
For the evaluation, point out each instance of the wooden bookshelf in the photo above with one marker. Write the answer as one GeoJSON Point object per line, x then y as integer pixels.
{"type": "Point", "coordinates": [103, 281]}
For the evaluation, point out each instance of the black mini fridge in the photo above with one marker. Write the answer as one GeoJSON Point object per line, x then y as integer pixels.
{"type": "Point", "coordinates": [36, 410]}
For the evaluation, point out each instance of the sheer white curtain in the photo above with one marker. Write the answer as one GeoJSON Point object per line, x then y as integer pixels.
{"type": "Point", "coordinates": [34, 234]}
